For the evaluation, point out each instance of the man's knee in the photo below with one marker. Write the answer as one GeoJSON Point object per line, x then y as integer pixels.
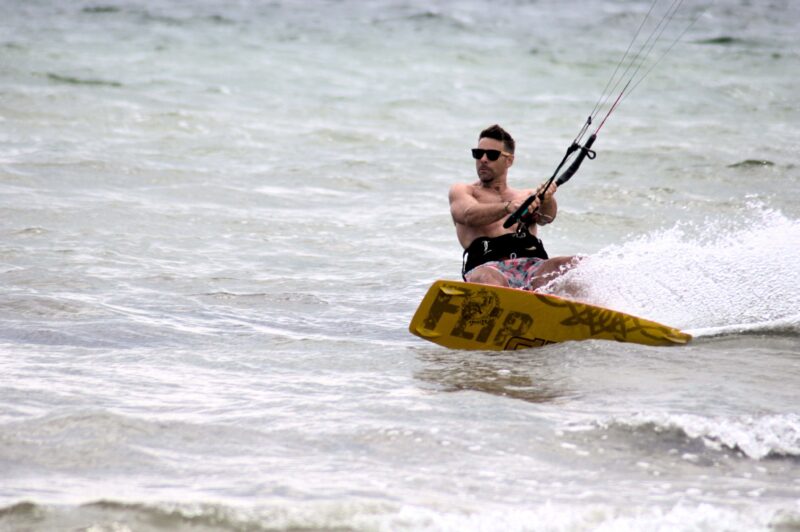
{"type": "Point", "coordinates": [563, 264]}
{"type": "Point", "coordinates": [487, 276]}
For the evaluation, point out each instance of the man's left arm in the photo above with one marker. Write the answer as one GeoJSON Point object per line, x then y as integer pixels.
{"type": "Point", "coordinates": [548, 206]}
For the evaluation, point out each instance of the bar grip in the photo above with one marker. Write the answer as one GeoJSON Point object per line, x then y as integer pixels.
{"type": "Point", "coordinates": [585, 152]}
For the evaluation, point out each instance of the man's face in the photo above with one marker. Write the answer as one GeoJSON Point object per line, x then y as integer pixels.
{"type": "Point", "coordinates": [488, 170]}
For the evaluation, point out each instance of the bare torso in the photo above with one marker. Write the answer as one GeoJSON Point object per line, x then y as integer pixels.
{"type": "Point", "coordinates": [467, 233]}
{"type": "Point", "coordinates": [480, 208]}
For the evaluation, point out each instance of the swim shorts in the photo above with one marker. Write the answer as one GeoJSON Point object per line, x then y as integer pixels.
{"type": "Point", "coordinates": [519, 273]}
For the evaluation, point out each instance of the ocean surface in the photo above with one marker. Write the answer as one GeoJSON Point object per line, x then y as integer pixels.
{"type": "Point", "coordinates": [218, 217]}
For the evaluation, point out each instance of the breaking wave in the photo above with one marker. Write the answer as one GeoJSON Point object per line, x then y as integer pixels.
{"type": "Point", "coordinates": [756, 437]}
{"type": "Point", "coordinates": [365, 515]}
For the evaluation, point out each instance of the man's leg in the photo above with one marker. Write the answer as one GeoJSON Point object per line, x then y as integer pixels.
{"type": "Point", "coordinates": [552, 268]}
{"type": "Point", "coordinates": [486, 275]}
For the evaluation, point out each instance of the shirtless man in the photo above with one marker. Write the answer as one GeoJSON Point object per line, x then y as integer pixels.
{"type": "Point", "coordinates": [494, 255]}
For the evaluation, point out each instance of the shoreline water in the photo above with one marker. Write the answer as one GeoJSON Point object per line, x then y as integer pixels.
{"type": "Point", "coordinates": [218, 219]}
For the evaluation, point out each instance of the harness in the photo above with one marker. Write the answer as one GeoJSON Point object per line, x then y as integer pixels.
{"type": "Point", "coordinates": [509, 246]}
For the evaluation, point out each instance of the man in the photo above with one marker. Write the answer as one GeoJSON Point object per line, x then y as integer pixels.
{"type": "Point", "coordinates": [494, 255]}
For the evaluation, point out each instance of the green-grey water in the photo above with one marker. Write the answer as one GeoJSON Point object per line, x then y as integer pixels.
{"type": "Point", "coordinates": [217, 219]}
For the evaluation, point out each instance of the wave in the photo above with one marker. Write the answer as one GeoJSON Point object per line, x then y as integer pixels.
{"type": "Point", "coordinates": [725, 40]}
{"type": "Point", "coordinates": [360, 514]}
{"type": "Point", "coordinates": [109, 515]}
{"type": "Point", "coordinates": [74, 80]}
{"type": "Point", "coordinates": [89, 440]}
{"type": "Point", "coordinates": [101, 9]}
{"type": "Point", "coordinates": [720, 275]}
{"type": "Point", "coordinates": [751, 163]}
{"type": "Point", "coordinates": [757, 437]}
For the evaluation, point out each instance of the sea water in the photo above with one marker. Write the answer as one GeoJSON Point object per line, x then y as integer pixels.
{"type": "Point", "coordinates": [217, 219]}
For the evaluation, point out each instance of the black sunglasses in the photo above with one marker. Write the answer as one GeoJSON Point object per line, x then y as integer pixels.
{"type": "Point", "coordinates": [492, 155]}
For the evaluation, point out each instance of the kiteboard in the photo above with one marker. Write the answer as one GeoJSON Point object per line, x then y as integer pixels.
{"type": "Point", "coordinates": [461, 315]}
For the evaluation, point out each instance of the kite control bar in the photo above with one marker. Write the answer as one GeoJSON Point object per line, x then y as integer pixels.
{"type": "Point", "coordinates": [586, 151]}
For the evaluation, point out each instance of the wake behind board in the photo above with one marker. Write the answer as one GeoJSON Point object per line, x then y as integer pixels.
{"type": "Point", "coordinates": [472, 316]}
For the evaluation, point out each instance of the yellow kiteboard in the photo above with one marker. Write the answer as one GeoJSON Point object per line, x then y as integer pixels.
{"type": "Point", "coordinates": [473, 316]}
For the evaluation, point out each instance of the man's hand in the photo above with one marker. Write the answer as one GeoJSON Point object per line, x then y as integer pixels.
{"type": "Point", "coordinates": [549, 193]}
{"type": "Point", "coordinates": [544, 205]}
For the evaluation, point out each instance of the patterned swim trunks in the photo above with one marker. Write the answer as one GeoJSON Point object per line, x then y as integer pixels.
{"type": "Point", "coordinates": [519, 273]}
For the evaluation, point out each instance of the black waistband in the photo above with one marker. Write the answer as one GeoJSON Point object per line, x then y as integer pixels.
{"type": "Point", "coordinates": [509, 246]}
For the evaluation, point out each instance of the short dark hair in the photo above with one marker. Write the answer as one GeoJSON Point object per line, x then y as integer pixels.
{"type": "Point", "coordinates": [498, 133]}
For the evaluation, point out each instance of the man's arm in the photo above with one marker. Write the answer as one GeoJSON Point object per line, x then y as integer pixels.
{"type": "Point", "coordinates": [466, 210]}
{"type": "Point", "coordinates": [548, 208]}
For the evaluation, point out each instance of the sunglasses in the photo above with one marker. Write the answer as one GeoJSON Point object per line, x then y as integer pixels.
{"type": "Point", "coordinates": [492, 155]}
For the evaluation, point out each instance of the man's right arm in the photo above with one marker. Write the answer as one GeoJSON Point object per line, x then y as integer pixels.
{"type": "Point", "coordinates": [467, 210]}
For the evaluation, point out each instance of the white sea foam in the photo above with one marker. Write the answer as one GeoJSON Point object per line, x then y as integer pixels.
{"type": "Point", "coordinates": [710, 276]}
